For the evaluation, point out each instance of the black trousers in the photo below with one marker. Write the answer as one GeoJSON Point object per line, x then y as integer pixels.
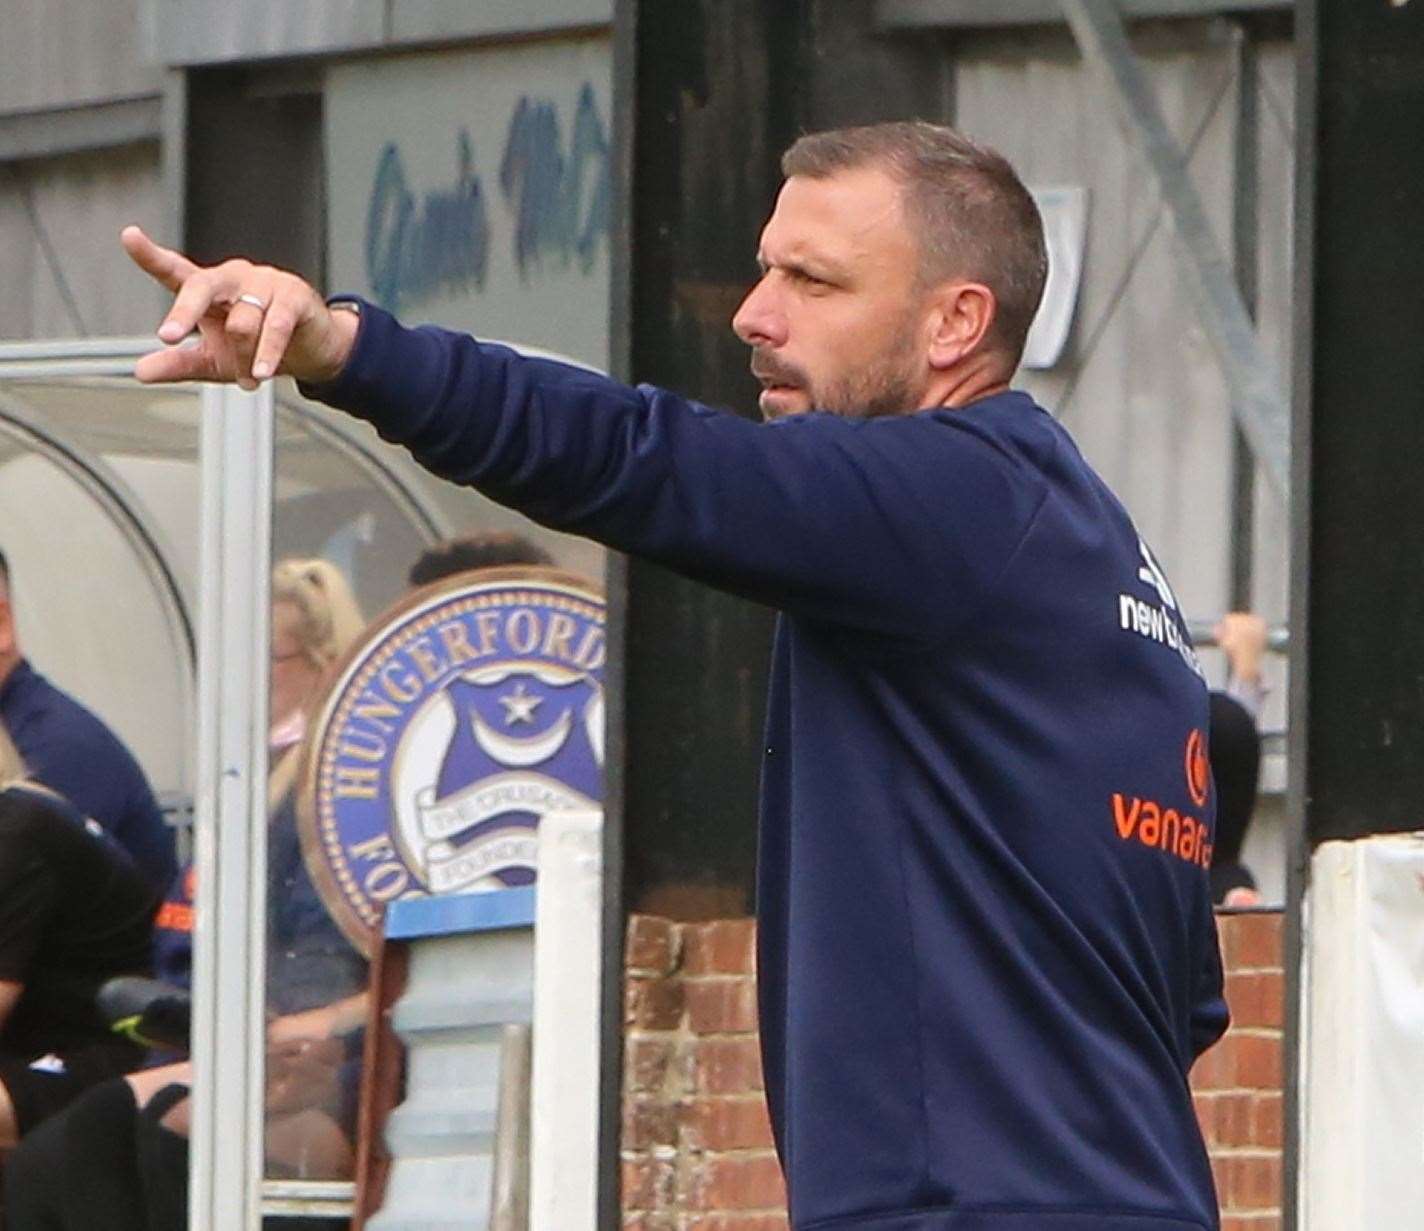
{"type": "Point", "coordinates": [101, 1165]}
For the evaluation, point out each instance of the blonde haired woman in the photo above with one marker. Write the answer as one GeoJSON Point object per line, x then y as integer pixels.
{"type": "Point", "coordinates": [315, 620]}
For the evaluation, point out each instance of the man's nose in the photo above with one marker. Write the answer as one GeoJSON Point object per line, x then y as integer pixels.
{"type": "Point", "coordinates": [759, 321]}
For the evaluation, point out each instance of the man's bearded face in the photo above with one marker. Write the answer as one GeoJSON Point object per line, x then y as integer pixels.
{"type": "Point", "coordinates": [835, 323]}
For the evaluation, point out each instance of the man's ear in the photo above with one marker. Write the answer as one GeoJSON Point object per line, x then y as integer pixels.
{"type": "Point", "coordinates": [961, 318]}
{"type": "Point", "coordinates": [7, 629]}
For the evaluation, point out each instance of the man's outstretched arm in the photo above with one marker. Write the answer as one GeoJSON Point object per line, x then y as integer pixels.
{"type": "Point", "coordinates": [895, 528]}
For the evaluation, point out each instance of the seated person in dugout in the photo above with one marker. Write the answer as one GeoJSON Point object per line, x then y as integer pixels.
{"type": "Point", "coordinates": [68, 749]}
{"type": "Point", "coordinates": [486, 549]}
{"type": "Point", "coordinates": [75, 911]}
{"type": "Point", "coordinates": [117, 1160]}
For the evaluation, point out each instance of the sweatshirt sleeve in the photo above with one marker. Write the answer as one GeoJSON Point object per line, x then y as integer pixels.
{"type": "Point", "coordinates": [893, 526]}
{"type": "Point", "coordinates": [1210, 1014]}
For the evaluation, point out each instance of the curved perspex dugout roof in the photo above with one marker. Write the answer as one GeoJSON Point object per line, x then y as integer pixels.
{"type": "Point", "coordinates": [134, 520]}
{"type": "Point", "coordinates": [100, 509]}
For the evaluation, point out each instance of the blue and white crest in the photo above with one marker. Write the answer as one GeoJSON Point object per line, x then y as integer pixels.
{"type": "Point", "coordinates": [468, 716]}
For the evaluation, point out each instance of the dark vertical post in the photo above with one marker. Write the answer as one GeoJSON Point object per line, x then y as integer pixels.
{"type": "Point", "coordinates": [610, 1034]}
{"type": "Point", "coordinates": [1360, 369]}
{"type": "Point", "coordinates": [1245, 224]}
{"type": "Point", "coordinates": [1357, 684]}
{"type": "Point", "coordinates": [720, 89]}
{"type": "Point", "coordinates": [707, 94]}
{"type": "Point", "coordinates": [255, 170]}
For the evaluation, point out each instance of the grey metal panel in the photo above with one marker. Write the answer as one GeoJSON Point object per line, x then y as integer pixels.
{"type": "Point", "coordinates": [1276, 261]}
{"type": "Point", "coordinates": [1265, 850]}
{"type": "Point", "coordinates": [60, 263]}
{"type": "Point", "coordinates": [436, 20]}
{"type": "Point", "coordinates": [174, 148]}
{"type": "Point", "coordinates": [462, 993]}
{"type": "Point", "coordinates": [1258, 400]}
{"type": "Point", "coordinates": [61, 52]}
{"type": "Point", "coordinates": [229, 1021]}
{"type": "Point", "coordinates": [18, 257]}
{"type": "Point", "coordinates": [68, 130]}
{"type": "Point", "coordinates": [1149, 407]}
{"type": "Point", "coordinates": [219, 31]}
{"type": "Point", "coordinates": [948, 14]}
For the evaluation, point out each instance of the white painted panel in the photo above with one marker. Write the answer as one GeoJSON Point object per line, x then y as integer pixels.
{"type": "Point", "coordinates": [568, 968]}
{"type": "Point", "coordinates": [1363, 1128]}
{"type": "Point", "coordinates": [471, 188]}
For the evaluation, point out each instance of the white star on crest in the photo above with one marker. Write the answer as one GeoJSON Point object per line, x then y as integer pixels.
{"type": "Point", "coordinates": [519, 706]}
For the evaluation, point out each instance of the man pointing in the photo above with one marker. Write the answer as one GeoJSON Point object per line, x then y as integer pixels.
{"type": "Point", "coordinates": [987, 957]}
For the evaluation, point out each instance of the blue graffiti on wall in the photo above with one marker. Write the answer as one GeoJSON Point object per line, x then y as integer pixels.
{"type": "Point", "coordinates": [560, 203]}
{"type": "Point", "coordinates": [443, 246]}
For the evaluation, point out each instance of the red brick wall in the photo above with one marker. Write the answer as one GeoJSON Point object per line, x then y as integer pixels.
{"type": "Point", "coordinates": [1237, 1084]}
{"type": "Point", "coordinates": [697, 1152]}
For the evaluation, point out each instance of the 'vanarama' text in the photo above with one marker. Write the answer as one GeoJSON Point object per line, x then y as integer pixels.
{"type": "Point", "coordinates": [1164, 828]}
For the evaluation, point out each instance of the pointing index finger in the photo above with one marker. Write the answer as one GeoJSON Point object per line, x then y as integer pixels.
{"type": "Point", "coordinates": [165, 265]}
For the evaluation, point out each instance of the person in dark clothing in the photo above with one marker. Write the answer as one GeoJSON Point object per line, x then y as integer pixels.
{"type": "Point", "coordinates": [472, 551]}
{"type": "Point", "coordinates": [1236, 768]}
{"type": "Point", "coordinates": [74, 912]}
{"type": "Point", "coordinates": [986, 956]}
{"type": "Point", "coordinates": [117, 1159]}
{"type": "Point", "coordinates": [68, 749]}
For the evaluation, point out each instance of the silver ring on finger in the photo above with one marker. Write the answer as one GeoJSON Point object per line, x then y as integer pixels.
{"type": "Point", "coordinates": [252, 300]}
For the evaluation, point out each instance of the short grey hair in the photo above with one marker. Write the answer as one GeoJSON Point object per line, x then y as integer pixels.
{"type": "Point", "coordinates": [970, 212]}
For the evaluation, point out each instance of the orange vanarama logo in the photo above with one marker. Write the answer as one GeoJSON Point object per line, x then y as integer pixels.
{"type": "Point", "coordinates": [177, 916]}
{"type": "Point", "coordinates": [1198, 770]}
{"type": "Point", "coordinates": [1166, 829]}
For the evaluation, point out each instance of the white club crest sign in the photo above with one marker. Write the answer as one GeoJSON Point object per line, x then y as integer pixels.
{"type": "Point", "coordinates": [472, 710]}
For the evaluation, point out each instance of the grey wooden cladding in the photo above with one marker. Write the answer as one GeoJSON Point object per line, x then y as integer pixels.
{"type": "Point", "coordinates": [1139, 386]}
{"type": "Point", "coordinates": [63, 53]}
{"type": "Point", "coordinates": [983, 14]}
{"type": "Point", "coordinates": [220, 31]}
{"type": "Point", "coordinates": [1258, 398]}
{"type": "Point", "coordinates": [54, 131]}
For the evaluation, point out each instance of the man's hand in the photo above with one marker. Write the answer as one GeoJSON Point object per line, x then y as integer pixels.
{"type": "Point", "coordinates": [253, 321]}
{"type": "Point", "coordinates": [1242, 637]}
{"type": "Point", "coordinates": [301, 1073]}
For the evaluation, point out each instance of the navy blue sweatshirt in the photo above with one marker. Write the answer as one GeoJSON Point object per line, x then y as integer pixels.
{"type": "Point", "coordinates": [987, 956]}
{"type": "Point", "coordinates": [68, 749]}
